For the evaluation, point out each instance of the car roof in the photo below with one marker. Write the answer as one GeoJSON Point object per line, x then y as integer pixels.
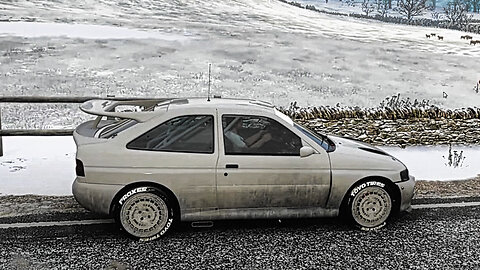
{"type": "Point", "coordinates": [146, 109]}
{"type": "Point", "coordinates": [219, 103]}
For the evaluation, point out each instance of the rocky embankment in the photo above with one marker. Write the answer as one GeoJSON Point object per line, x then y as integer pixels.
{"type": "Point", "coordinates": [394, 126]}
{"type": "Point", "coordinates": [402, 132]}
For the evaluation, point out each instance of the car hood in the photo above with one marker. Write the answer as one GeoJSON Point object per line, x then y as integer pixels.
{"type": "Point", "coordinates": [353, 154]}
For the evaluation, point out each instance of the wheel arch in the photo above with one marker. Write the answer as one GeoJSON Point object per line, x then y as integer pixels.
{"type": "Point", "coordinates": [173, 198]}
{"type": "Point", "coordinates": [393, 190]}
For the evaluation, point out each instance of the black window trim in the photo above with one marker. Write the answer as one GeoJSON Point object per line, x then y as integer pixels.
{"type": "Point", "coordinates": [177, 151]}
{"type": "Point", "coordinates": [262, 154]}
{"type": "Point", "coordinates": [321, 140]}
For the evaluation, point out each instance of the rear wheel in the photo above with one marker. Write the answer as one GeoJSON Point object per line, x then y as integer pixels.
{"type": "Point", "coordinates": [145, 213]}
{"type": "Point", "coordinates": [370, 205]}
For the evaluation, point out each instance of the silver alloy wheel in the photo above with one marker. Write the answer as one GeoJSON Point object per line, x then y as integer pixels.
{"type": "Point", "coordinates": [371, 207]}
{"type": "Point", "coordinates": [144, 215]}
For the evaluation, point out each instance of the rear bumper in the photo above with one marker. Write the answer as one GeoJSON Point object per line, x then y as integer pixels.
{"type": "Point", "coordinates": [406, 193]}
{"type": "Point", "coordinates": [95, 197]}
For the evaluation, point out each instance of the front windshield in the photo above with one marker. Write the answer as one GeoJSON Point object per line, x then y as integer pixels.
{"type": "Point", "coordinates": [321, 140]}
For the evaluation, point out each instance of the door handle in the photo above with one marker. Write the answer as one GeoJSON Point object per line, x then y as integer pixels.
{"type": "Point", "coordinates": [231, 166]}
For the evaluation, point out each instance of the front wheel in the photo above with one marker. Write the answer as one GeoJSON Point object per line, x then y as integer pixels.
{"type": "Point", "coordinates": [145, 213]}
{"type": "Point", "coordinates": [370, 205]}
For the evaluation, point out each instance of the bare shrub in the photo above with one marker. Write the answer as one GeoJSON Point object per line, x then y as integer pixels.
{"type": "Point", "coordinates": [397, 102]}
{"type": "Point", "coordinates": [455, 159]}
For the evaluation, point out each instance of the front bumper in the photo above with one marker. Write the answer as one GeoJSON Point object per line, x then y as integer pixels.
{"type": "Point", "coordinates": [95, 197]}
{"type": "Point", "coordinates": [406, 193]}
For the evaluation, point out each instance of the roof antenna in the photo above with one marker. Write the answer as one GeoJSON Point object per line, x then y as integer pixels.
{"type": "Point", "coordinates": [209, 68]}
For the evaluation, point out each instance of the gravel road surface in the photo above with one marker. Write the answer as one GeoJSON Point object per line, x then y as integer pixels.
{"type": "Point", "coordinates": [442, 238]}
{"type": "Point", "coordinates": [438, 238]}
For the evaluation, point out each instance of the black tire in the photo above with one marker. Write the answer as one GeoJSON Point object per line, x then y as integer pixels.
{"type": "Point", "coordinates": [145, 213]}
{"type": "Point", "coordinates": [369, 205]}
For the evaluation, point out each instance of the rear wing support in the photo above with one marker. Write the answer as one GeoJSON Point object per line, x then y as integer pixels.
{"type": "Point", "coordinates": [140, 110]}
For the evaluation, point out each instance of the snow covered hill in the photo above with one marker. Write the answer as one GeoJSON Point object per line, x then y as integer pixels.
{"type": "Point", "coordinates": [261, 49]}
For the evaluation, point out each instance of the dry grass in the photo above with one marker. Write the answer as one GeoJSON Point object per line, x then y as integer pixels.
{"type": "Point", "coordinates": [457, 188]}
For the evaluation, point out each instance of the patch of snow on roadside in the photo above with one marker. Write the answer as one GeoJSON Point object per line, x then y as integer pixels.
{"type": "Point", "coordinates": [46, 165]}
{"type": "Point", "coordinates": [430, 162]}
{"type": "Point", "coordinates": [37, 165]}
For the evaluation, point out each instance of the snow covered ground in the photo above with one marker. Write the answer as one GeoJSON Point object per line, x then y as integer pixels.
{"type": "Point", "coordinates": [37, 165]}
{"type": "Point", "coordinates": [83, 31]}
{"type": "Point", "coordinates": [431, 162]}
{"type": "Point", "coordinates": [46, 165]}
{"type": "Point", "coordinates": [258, 49]}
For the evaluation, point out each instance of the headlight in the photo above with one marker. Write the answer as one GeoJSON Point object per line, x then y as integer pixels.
{"type": "Point", "coordinates": [404, 175]}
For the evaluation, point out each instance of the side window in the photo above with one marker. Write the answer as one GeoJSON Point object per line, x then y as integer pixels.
{"type": "Point", "coordinates": [258, 135]}
{"type": "Point", "coordinates": [192, 134]}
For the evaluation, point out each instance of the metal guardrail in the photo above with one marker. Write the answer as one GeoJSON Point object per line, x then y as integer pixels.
{"type": "Point", "coordinates": [35, 132]}
{"type": "Point", "coordinates": [42, 99]}
{"type": "Point", "coordinates": [45, 99]}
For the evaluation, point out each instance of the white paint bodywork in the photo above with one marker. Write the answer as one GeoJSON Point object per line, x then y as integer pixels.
{"type": "Point", "coordinates": [261, 186]}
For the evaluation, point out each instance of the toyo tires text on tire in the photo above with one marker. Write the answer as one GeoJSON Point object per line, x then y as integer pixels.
{"type": "Point", "coordinates": [369, 205]}
{"type": "Point", "coordinates": [145, 213]}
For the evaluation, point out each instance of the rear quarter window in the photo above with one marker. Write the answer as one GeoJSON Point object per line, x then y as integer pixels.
{"type": "Point", "coordinates": [112, 130]}
{"type": "Point", "coordinates": [191, 134]}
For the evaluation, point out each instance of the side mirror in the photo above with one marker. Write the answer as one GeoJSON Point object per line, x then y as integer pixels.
{"type": "Point", "coordinates": [306, 151]}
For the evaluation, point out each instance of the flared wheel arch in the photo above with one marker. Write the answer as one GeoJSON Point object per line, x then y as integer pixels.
{"type": "Point", "coordinates": [171, 196]}
{"type": "Point", "coordinates": [389, 185]}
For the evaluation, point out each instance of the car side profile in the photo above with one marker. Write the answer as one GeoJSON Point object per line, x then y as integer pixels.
{"type": "Point", "coordinates": [152, 163]}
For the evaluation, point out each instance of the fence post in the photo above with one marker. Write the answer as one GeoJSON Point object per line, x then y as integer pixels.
{"type": "Point", "coordinates": [1, 143]}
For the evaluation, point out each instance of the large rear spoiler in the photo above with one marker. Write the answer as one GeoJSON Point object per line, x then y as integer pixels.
{"type": "Point", "coordinates": [107, 108]}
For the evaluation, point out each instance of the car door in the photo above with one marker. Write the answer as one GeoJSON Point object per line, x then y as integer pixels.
{"type": "Point", "coordinates": [267, 176]}
{"type": "Point", "coordinates": [179, 153]}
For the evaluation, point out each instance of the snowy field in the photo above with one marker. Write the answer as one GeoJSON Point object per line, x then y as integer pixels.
{"type": "Point", "coordinates": [258, 49]}
{"type": "Point", "coordinates": [46, 165]}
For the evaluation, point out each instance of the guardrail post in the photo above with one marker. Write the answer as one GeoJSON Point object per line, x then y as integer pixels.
{"type": "Point", "coordinates": [1, 143]}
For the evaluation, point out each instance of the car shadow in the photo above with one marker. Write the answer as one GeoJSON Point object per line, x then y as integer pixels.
{"type": "Point", "coordinates": [401, 221]}
{"type": "Point", "coordinates": [302, 223]}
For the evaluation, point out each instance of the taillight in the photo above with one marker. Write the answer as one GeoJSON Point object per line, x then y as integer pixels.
{"type": "Point", "coordinates": [79, 168]}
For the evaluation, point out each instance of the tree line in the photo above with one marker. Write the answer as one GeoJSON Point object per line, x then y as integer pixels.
{"type": "Point", "coordinates": [455, 11]}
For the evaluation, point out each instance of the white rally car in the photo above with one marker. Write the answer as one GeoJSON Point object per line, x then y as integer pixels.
{"type": "Point", "coordinates": [151, 163]}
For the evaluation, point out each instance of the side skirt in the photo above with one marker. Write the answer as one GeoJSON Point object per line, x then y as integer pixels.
{"type": "Point", "coordinates": [259, 213]}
